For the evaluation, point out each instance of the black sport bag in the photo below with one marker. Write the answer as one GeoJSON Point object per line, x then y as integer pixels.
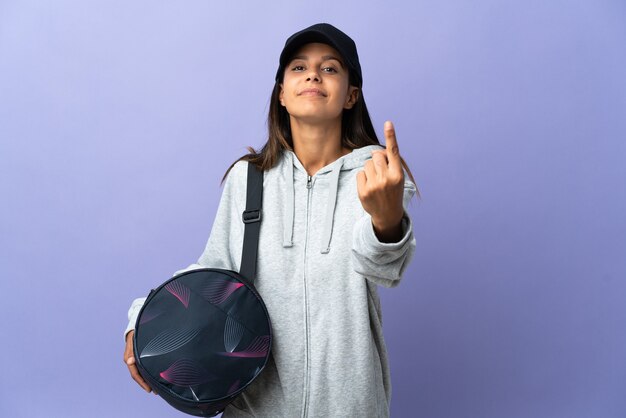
{"type": "Point", "coordinates": [205, 334]}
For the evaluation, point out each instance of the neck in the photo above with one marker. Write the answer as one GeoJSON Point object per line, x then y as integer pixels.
{"type": "Point", "coordinates": [317, 145]}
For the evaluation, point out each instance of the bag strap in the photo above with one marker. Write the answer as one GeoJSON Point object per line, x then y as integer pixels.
{"type": "Point", "coordinates": [252, 222]}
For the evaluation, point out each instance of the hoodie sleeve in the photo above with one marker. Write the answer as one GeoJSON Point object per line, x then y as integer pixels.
{"type": "Point", "coordinates": [223, 248]}
{"type": "Point", "coordinates": [383, 263]}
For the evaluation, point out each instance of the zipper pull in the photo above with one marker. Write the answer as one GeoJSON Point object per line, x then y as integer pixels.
{"type": "Point", "coordinates": [308, 182]}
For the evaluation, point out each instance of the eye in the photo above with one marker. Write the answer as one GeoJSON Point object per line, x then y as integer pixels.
{"type": "Point", "coordinates": [298, 68]}
{"type": "Point", "coordinates": [329, 69]}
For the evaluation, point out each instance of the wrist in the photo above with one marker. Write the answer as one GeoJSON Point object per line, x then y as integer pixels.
{"type": "Point", "coordinates": [388, 232]}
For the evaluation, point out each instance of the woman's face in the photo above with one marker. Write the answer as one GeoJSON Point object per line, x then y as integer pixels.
{"type": "Point", "coordinates": [315, 85]}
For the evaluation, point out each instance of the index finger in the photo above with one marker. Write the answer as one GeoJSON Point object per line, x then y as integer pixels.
{"type": "Point", "coordinates": [391, 143]}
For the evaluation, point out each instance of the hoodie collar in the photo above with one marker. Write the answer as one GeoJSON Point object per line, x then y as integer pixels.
{"type": "Point", "coordinates": [354, 159]}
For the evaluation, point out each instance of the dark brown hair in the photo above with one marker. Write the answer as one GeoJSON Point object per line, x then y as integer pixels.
{"type": "Point", "coordinates": [357, 131]}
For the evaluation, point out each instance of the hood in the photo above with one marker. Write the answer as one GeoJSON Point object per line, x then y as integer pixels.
{"type": "Point", "coordinates": [333, 171]}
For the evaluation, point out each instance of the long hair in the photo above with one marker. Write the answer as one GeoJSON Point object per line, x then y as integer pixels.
{"type": "Point", "coordinates": [357, 131]}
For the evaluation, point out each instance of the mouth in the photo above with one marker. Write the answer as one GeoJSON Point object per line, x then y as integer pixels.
{"type": "Point", "coordinates": [312, 92]}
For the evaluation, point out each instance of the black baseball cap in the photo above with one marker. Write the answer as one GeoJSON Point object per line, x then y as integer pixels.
{"type": "Point", "coordinates": [327, 34]}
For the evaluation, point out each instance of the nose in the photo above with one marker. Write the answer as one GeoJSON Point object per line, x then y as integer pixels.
{"type": "Point", "coordinates": [313, 75]}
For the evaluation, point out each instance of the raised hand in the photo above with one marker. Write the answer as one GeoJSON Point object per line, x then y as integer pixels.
{"type": "Point", "coordinates": [380, 186]}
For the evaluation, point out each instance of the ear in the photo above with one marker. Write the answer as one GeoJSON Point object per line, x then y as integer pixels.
{"type": "Point", "coordinates": [280, 95]}
{"type": "Point", "coordinates": [353, 96]}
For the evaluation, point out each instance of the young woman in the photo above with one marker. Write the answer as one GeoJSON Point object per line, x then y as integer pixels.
{"type": "Point", "coordinates": [335, 227]}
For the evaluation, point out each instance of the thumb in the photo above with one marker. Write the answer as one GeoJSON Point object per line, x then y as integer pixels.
{"type": "Point", "coordinates": [361, 180]}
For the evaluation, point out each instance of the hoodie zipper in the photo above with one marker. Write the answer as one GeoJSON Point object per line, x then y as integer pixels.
{"type": "Point", "coordinates": [309, 185]}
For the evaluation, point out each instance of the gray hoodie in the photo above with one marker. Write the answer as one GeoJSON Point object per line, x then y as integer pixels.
{"type": "Point", "coordinates": [319, 264]}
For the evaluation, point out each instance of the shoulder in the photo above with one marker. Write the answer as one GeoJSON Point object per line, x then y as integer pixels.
{"type": "Point", "coordinates": [238, 173]}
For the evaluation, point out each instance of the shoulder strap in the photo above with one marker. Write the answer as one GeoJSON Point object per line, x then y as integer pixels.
{"type": "Point", "coordinates": [252, 222]}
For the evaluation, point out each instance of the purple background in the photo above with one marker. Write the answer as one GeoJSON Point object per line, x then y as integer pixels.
{"type": "Point", "coordinates": [118, 119]}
